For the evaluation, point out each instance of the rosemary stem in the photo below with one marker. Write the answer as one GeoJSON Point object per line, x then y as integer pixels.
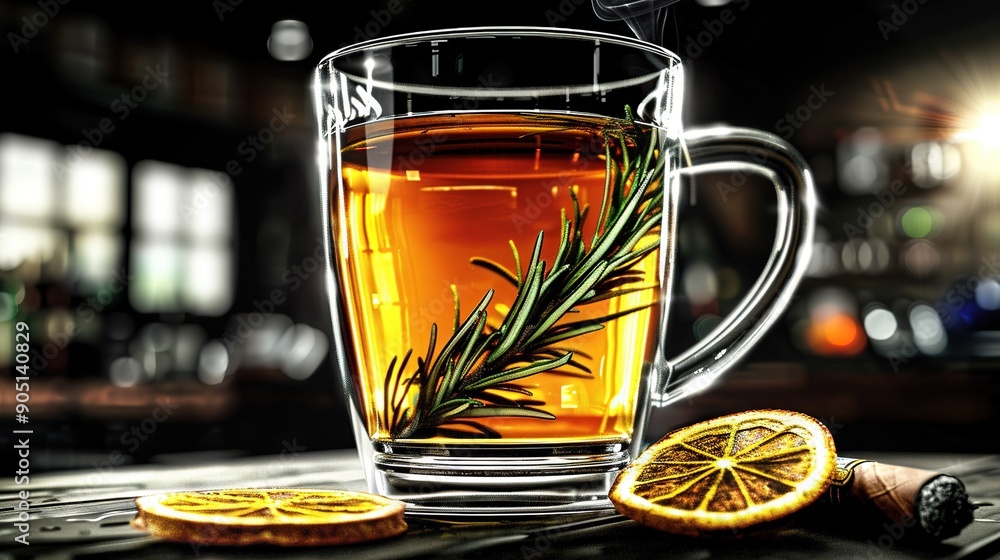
{"type": "Point", "coordinates": [462, 383]}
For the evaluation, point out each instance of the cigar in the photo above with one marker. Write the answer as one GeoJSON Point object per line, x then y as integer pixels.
{"type": "Point", "coordinates": [932, 504]}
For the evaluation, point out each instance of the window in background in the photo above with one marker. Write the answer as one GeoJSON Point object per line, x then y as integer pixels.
{"type": "Point", "coordinates": [62, 211]}
{"type": "Point", "coordinates": [182, 240]}
{"type": "Point", "coordinates": [27, 204]}
{"type": "Point", "coordinates": [94, 205]}
{"type": "Point", "coordinates": [49, 198]}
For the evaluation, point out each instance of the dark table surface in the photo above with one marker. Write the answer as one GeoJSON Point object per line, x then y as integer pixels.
{"type": "Point", "coordinates": [105, 497]}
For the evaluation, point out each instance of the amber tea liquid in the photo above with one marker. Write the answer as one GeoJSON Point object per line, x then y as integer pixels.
{"type": "Point", "coordinates": [421, 196]}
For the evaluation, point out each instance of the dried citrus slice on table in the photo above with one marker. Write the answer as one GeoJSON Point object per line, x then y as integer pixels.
{"type": "Point", "coordinates": [286, 517]}
{"type": "Point", "coordinates": [728, 473]}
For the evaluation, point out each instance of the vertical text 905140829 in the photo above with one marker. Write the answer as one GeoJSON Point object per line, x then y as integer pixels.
{"type": "Point", "coordinates": [22, 386]}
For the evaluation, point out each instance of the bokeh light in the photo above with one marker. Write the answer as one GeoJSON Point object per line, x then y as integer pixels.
{"type": "Point", "coordinates": [305, 348]}
{"type": "Point", "coordinates": [213, 362]}
{"type": "Point", "coordinates": [8, 307]}
{"type": "Point", "coordinates": [824, 261]}
{"type": "Point", "coordinates": [988, 295]}
{"type": "Point", "coordinates": [833, 328]}
{"type": "Point", "coordinates": [928, 332]}
{"type": "Point", "coordinates": [917, 222]}
{"type": "Point", "coordinates": [861, 161]}
{"type": "Point", "coordinates": [880, 324]}
{"type": "Point", "coordinates": [700, 283]}
{"type": "Point", "coordinates": [934, 162]}
{"type": "Point", "coordinates": [836, 334]}
{"type": "Point", "coordinates": [705, 324]}
{"type": "Point", "coordinates": [27, 177]}
{"type": "Point", "coordinates": [920, 258]}
{"type": "Point", "coordinates": [95, 190]}
{"type": "Point", "coordinates": [289, 40]}
{"type": "Point", "coordinates": [126, 371]}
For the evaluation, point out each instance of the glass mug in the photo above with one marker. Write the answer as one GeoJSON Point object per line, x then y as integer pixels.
{"type": "Point", "coordinates": [499, 212]}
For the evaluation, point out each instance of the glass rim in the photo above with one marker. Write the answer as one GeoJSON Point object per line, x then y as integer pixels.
{"type": "Point", "coordinates": [502, 30]}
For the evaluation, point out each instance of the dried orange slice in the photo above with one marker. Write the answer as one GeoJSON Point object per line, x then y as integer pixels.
{"type": "Point", "coordinates": [286, 517]}
{"type": "Point", "coordinates": [728, 473]}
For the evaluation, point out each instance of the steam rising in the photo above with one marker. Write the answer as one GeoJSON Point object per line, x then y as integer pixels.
{"type": "Point", "coordinates": [646, 18]}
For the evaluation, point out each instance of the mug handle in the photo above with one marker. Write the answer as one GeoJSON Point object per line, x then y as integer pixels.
{"type": "Point", "coordinates": [748, 151]}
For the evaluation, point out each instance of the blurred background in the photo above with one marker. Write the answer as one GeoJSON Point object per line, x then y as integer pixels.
{"type": "Point", "coordinates": [159, 228]}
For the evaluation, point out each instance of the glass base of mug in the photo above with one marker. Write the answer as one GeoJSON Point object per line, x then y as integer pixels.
{"type": "Point", "coordinates": [483, 481]}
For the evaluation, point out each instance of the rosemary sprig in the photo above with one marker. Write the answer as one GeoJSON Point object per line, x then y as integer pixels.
{"type": "Point", "coordinates": [476, 373]}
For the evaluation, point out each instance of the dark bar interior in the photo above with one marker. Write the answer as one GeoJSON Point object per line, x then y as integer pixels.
{"type": "Point", "coordinates": [160, 228]}
{"type": "Point", "coordinates": [219, 308]}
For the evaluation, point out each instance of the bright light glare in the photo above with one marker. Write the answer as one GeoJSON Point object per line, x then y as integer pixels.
{"type": "Point", "coordinates": [934, 162]}
{"type": "Point", "coordinates": [987, 131]}
{"type": "Point", "coordinates": [880, 324]}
